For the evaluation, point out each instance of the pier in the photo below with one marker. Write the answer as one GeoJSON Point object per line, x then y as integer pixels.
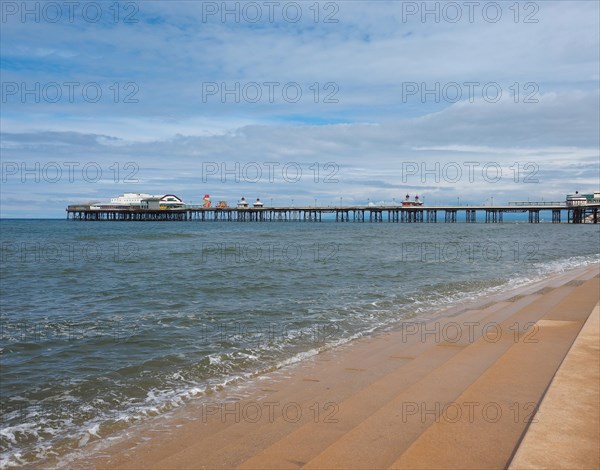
{"type": "Point", "coordinates": [375, 214]}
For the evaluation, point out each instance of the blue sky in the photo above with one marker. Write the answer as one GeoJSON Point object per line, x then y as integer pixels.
{"type": "Point", "coordinates": [363, 100]}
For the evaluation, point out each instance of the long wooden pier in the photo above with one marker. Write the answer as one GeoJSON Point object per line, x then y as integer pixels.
{"type": "Point", "coordinates": [401, 214]}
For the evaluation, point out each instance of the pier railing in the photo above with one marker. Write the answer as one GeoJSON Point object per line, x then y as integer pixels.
{"type": "Point", "coordinates": [527, 203]}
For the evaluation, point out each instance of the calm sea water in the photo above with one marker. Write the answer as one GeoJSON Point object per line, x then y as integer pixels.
{"type": "Point", "coordinates": [105, 324]}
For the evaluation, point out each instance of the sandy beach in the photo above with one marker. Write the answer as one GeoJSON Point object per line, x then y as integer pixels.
{"type": "Point", "coordinates": [477, 386]}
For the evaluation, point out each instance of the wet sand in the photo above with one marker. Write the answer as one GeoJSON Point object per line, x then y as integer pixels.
{"type": "Point", "coordinates": [461, 390]}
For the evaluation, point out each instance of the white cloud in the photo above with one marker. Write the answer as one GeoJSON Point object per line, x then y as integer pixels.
{"type": "Point", "coordinates": [370, 132]}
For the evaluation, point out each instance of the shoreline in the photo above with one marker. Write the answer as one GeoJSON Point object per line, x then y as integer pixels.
{"type": "Point", "coordinates": [273, 420]}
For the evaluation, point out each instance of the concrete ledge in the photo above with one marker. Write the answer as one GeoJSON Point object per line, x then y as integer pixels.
{"type": "Point", "coordinates": [565, 432]}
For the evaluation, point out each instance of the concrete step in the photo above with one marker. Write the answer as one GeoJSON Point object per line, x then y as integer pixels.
{"type": "Point", "coordinates": [441, 386]}
{"type": "Point", "coordinates": [429, 353]}
{"type": "Point", "coordinates": [566, 428]}
{"type": "Point", "coordinates": [506, 395]}
{"type": "Point", "coordinates": [367, 414]}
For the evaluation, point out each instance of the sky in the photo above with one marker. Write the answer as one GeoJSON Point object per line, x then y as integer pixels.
{"type": "Point", "coordinates": [326, 103]}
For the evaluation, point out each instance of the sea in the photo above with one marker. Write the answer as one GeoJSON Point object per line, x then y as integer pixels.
{"type": "Point", "coordinates": [105, 325]}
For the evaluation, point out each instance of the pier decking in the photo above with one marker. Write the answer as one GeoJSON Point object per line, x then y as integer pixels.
{"type": "Point", "coordinates": [398, 214]}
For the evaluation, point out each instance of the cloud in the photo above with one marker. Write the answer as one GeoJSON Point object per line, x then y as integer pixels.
{"type": "Point", "coordinates": [177, 88]}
